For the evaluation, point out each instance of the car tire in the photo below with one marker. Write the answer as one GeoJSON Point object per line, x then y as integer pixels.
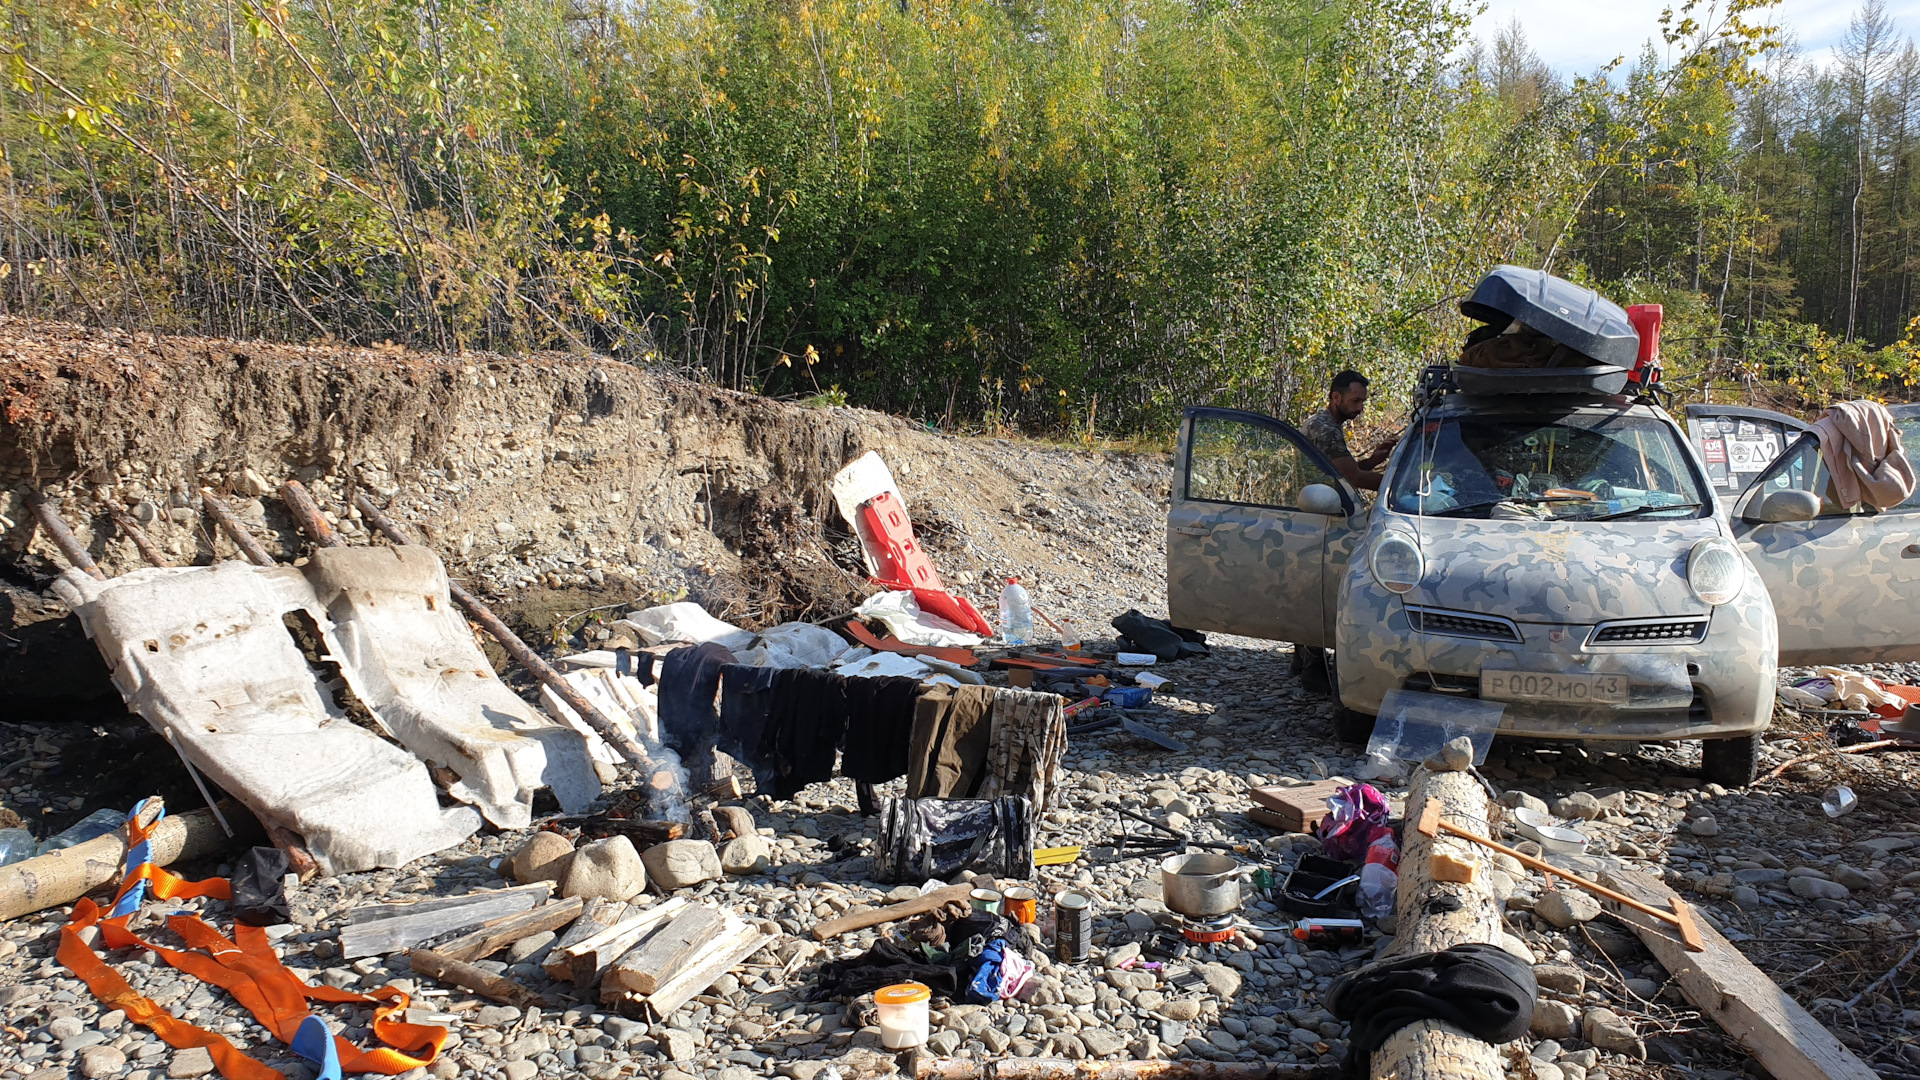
{"type": "Point", "coordinates": [1731, 763]}
{"type": "Point", "coordinates": [1310, 664]}
{"type": "Point", "coordinates": [1349, 725]}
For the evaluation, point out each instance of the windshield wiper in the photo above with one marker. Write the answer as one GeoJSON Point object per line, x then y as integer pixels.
{"type": "Point", "coordinates": [1648, 509]}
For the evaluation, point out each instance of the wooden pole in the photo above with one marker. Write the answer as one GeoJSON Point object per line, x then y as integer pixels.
{"type": "Point", "coordinates": [1432, 1049]}
{"type": "Point", "coordinates": [660, 778]}
{"type": "Point", "coordinates": [307, 513]}
{"type": "Point", "coordinates": [458, 973]}
{"type": "Point", "coordinates": [242, 539]}
{"type": "Point", "coordinates": [61, 877]}
{"type": "Point", "coordinates": [48, 512]}
{"type": "Point", "coordinates": [125, 523]}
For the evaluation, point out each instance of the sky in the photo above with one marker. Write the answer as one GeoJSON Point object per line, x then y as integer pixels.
{"type": "Point", "coordinates": [1576, 36]}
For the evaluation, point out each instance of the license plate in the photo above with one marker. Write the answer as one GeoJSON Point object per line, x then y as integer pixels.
{"type": "Point", "coordinates": [1559, 689]}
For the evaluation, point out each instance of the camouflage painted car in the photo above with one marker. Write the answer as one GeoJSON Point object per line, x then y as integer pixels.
{"type": "Point", "coordinates": [1568, 558]}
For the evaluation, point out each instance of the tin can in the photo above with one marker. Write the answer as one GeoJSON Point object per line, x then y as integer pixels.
{"type": "Point", "coordinates": [1072, 927]}
{"type": "Point", "coordinates": [1023, 905]}
{"type": "Point", "coordinates": [985, 900]}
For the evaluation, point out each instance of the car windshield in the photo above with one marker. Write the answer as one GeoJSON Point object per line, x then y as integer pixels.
{"type": "Point", "coordinates": [1578, 466]}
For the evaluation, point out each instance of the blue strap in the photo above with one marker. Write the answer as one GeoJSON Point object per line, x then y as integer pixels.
{"type": "Point", "coordinates": [315, 1043]}
{"type": "Point", "coordinates": [138, 855]}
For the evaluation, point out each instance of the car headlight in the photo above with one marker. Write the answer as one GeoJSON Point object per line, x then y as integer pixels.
{"type": "Point", "coordinates": [1715, 571]}
{"type": "Point", "coordinates": [1396, 562]}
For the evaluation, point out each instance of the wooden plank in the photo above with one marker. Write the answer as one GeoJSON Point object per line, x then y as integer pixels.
{"type": "Point", "coordinates": [860, 920]}
{"type": "Point", "coordinates": [591, 958]}
{"type": "Point", "coordinates": [457, 973]}
{"type": "Point", "coordinates": [594, 918]}
{"type": "Point", "coordinates": [1297, 807]}
{"type": "Point", "coordinates": [1749, 1006]}
{"type": "Point", "coordinates": [493, 936]}
{"type": "Point", "coordinates": [411, 924]}
{"type": "Point", "coordinates": [665, 951]}
{"type": "Point", "coordinates": [739, 941]}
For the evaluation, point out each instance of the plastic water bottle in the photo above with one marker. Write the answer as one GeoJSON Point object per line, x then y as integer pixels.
{"type": "Point", "coordinates": [97, 824]}
{"type": "Point", "coordinates": [1016, 614]}
{"type": "Point", "coordinates": [16, 845]}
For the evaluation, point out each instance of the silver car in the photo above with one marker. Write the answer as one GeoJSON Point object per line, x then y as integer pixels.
{"type": "Point", "coordinates": [1573, 558]}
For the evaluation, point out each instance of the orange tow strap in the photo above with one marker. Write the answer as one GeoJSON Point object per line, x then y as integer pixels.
{"type": "Point", "coordinates": [245, 967]}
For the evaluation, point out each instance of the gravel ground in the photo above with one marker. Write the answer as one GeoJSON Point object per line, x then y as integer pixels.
{"type": "Point", "coordinates": [1745, 857]}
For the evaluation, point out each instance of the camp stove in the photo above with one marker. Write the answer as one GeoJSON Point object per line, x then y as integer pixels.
{"type": "Point", "coordinates": [1206, 931]}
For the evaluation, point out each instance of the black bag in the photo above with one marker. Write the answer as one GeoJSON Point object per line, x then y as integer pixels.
{"type": "Point", "coordinates": [259, 888]}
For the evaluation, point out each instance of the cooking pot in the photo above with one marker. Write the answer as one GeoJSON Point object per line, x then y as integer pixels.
{"type": "Point", "coordinates": [1202, 884]}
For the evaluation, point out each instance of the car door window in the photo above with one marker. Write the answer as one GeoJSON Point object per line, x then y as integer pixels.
{"type": "Point", "coordinates": [1803, 468]}
{"type": "Point", "coordinates": [1231, 461]}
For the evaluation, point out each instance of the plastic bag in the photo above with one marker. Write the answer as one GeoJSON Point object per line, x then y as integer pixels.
{"type": "Point", "coordinates": [260, 890]}
{"type": "Point", "coordinates": [793, 645]}
{"type": "Point", "coordinates": [684, 622]}
{"type": "Point", "coordinates": [923, 838]}
{"type": "Point", "coordinates": [900, 613]}
{"type": "Point", "coordinates": [1354, 812]}
{"type": "Point", "coordinates": [1380, 877]}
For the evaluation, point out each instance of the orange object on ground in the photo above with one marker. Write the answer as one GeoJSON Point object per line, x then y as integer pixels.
{"type": "Point", "coordinates": [245, 967]}
{"type": "Point", "coordinates": [952, 655]}
{"type": "Point", "coordinates": [907, 566]}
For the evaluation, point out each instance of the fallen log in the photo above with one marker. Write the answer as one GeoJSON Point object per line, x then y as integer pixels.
{"type": "Point", "coordinates": [860, 920]}
{"type": "Point", "coordinates": [48, 513]}
{"type": "Point", "coordinates": [235, 531]}
{"type": "Point", "coordinates": [61, 877]}
{"type": "Point", "coordinates": [491, 937]}
{"type": "Point", "coordinates": [1747, 1005]}
{"type": "Point", "coordinates": [1433, 1049]}
{"type": "Point", "coordinates": [386, 928]}
{"type": "Point", "coordinates": [498, 987]}
{"type": "Point", "coordinates": [665, 952]}
{"type": "Point", "coordinates": [125, 523]}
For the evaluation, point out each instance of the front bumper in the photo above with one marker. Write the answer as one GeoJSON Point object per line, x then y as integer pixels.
{"type": "Point", "coordinates": [1721, 686]}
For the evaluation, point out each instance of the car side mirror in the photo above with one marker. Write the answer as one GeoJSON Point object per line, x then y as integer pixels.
{"type": "Point", "coordinates": [1794, 505]}
{"type": "Point", "coordinates": [1322, 499]}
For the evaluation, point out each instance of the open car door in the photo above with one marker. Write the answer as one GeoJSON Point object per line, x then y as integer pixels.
{"type": "Point", "coordinates": [1738, 442]}
{"type": "Point", "coordinates": [1243, 556]}
{"type": "Point", "coordinates": [1845, 582]}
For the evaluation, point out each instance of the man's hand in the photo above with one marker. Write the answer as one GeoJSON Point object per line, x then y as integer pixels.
{"type": "Point", "coordinates": [1379, 454]}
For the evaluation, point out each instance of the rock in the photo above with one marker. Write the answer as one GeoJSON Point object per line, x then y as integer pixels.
{"type": "Point", "coordinates": [1580, 805]}
{"type": "Point", "coordinates": [1759, 875]}
{"type": "Point", "coordinates": [608, 870]}
{"type": "Point", "coordinates": [543, 857]}
{"type": "Point", "coordinates": [622, 1030]}
{"type": "Point", "coordinates": [1746, 896]}
{"type": "Point", "coordinates": [1224, 1040]}
{"type": "Point", "coordinates": [1644, 989]}
{"type": "Point", "coordinates": [1560, 979]}
{"type": "Point", "coordinates": [99, 1062]}
{"type": "Point", "coordinates": [189, 1064]}
{"type": "Point", "coordinates": [1704, 825]}
{"type": "Point", "coordinates": [1855, 878]}
{"type": "Point", "coordinates": [1179, 1009]}
{"type": "Point", "coordinates": [1564, 908]}
{"type": "Point", "coordinates": [1101, 1043]}
{"type": "Point", "coordinates": [520, 1070]}
{"type": "Point", "coordinates": [65, 1027]}
{"type": "Point", "coordinates": [747, 855]}
{"type": "Point", "coordinates": [1222, 981]}
{"type": "Point", "coordinates": [678, 1045]}
{"type": "Point", "coordinates": [1813, 888]}
{"type": "Point", "coordinates": [1546, 1050]}
{"type": "Point", "coordinates": [943, 1042]}
{"type": "Point", "coordinates": [1605, 1029]}
{"type": "Point", "coordinates": [1456, 756]}
{"type": "Point", "coordinates": [1555, 1019]}
{"type": "Point", "coordinates": [1519, 800]}
{"type": "Point", "coordinates": [111, 1021]}
{"type": "Point", "coordinates": [1886, 845]}
{"type": "Point", "coordinates": [680, 864]}
{"type": "Point", "coordinates": [529, 945]}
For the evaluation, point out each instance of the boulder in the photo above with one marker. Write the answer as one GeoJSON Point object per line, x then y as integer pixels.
{"type": "Point", "coordinates": [544, 856]}
{"type": "Point", "coordinates": [1813, 888]}
{"type": "Point", "coordinates": [1555, 1019]}
{"type": "Point", "coordinates": [1564, 908]}
{"type": "Point", "coordinates": [750, 854]}
{"type": "Point", "coordinates": [679, 864]}
{"type": "Point", "coordinates": [605, 870]}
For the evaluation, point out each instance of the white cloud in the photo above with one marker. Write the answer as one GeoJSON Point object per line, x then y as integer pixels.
{"type": "Point", "coordinates": [1576, 36]}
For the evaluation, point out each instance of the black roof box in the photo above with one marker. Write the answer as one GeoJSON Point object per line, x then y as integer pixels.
{"type": "Point", "coordinates": [1490, 382]}
{"type": "Point", "coordinates": [1573, 315]}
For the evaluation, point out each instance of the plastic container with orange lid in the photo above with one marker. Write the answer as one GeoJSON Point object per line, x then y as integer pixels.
{"type": "Point", "coordinates": [904, 1020]}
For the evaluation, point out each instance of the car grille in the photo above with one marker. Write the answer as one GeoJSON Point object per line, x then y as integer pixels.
{"type": "Point", "coordinates": [1650, 632]}
{"type": "Point", "coordinates": [1459, 624]}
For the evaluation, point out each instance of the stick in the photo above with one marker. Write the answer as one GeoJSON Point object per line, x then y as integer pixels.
{"type": "Point", "coordinates": [1855, 749]}
{"type": "Point", "coordinates": [860, 920]}
{"type": "Point", "coordinates": [63, 876]}
{"type": "Point", "coordinates": [1681, 916]}
{"type": "Point", "coordinates": [1891, 972]}
{"type": "Point", "coordinates": [242, 539]}
{"type": "Point", "coordinates": [307, 514]}
{"type": "Point", "coordinates": [493, 936]}
{"type": "Point", "coordinates": [498, 987]}
{"type": "Point", "coordinates": [659, 779]}
{"type": "Point", "coordinates": [125, 523]}
{"type": "Point", "coordinates": [49, 514]}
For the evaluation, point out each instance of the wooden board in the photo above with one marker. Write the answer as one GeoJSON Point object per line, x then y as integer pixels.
{"type": "Point", "coordinates": [1748, 1006]}
{"type": "Point", "coordinates": [1297, 807]}
{"type": "Point", "coordinates": [860, 920]}
{"type": "Point", "coordinates": [588, 961]}
{"type": "Point", "coordinates": [595, 917]}
{"type": "Point", "coordinates": [389, 928]}
{"type": "Point", "coordinates": [493, 936]}
{"type": "Point", "coordinates": [661, 954]}
{"type": "Point", "coordinates": [737, 942]}
{"type": "Point", "coordinates": [457, 973]}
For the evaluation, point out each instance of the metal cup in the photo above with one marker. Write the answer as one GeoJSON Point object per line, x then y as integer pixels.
{"type": "Point", "coordinates": [1023, 905]}
{"type": "Point", "coordinates": [985, 900]}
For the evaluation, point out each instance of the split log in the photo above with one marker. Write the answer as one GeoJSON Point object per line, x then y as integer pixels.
{"type": "Point", "coordinates": [385, 928]}
{"type": "Point", "coordinates": [1432, 1049]}
{"type": "Point", "coordinates": [660, 778]}
{"type": "Point", "coordinates": [48, 512]}
{"type": "Point", "coordinates": [493, 936]}
{"type": "Point", "coordinates": [664, 952]}
{"type": "Point", "coordinates": [498, 987]}
{"type": "Point", "coordinates": [596, 917]}
{"type": "Point", "coordinates": [860, 920]}
{"type": "Point", "coordinates": [930, 1068]}
{"type": "Point", "coordinates": [61, 877]}
{"type": "Point", "coordinates": [586, 960]}
{"type": "Point", "coordinates": [737, 941]}
{"type": "Point", "coordinates": [1748, 1006]}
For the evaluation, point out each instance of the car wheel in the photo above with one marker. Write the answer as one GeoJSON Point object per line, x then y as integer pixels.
{"type": "Point", "coordinates": [1310, 664]}
{"type": "Point", "coordinates": [1731, 763]}
{"type": "Point", "coordinates": [1349, 725]}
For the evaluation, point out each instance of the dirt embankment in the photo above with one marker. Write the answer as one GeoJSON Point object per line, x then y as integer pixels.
{"type": "Point", "coordinates": [555, 481]}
